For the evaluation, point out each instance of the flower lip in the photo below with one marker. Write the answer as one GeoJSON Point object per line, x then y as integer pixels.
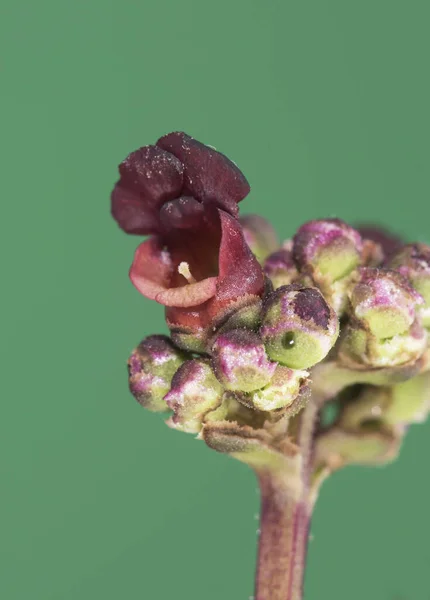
{"type": "Point", "coordinates": [186, 270]}
{"type": "Point", "coordinates": [177, 168]}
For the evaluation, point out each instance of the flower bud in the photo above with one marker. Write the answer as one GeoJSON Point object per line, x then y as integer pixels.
{"type": "Point", "coordinates": [299, 327]}
{"type": "Point", "coordinates": [359, 347]}
{"type": "Point", "coordinates": [240, 361]}
{"type": "Point", "coordinates": [384, 302]}
{"type": "Point", "coordinates": [337, 447]}
{"type": "Point", "coordinates": [244, 313]}
{"type": "Point", "coordinates": [413, 262]}
{"type": "Point", "coordinates": [281, 391]}
{"type": "Point", "coordinates": [259, 235]}
{"type": "Point", "coordinates": [399, 404]}
{"type": "Point", "coordinates": [151, 368]}
{"type": "Point", "coordinates": [280, 267]}
{"type": "Point", "coordinates": [327, 250]}
{"type": "Point", "coordinates": [387, 241]}
{"type": "Point", "coordinates": [195, 391]}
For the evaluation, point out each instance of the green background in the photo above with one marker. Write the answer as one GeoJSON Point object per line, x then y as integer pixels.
{"type": "Point", "coordinates": [324, 105]}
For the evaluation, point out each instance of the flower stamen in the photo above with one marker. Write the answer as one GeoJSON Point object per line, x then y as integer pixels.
{"type": "Point", "coordinates": [184, 270]}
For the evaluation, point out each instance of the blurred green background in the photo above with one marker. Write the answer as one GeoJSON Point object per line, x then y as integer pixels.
{"type": "Point", "coordinates": [325, 107]}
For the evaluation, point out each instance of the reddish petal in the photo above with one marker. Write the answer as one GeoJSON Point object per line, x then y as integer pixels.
{"type": "Point", "coordinates": [156, 174]}
{"type": "Point", "coordinates": [239, 271]}
{"type": "Point", "coordinates": [152, 272]}
{"type": "Point", "coordinates": [191, 294]}
{"type": "Point", "coordinates": [131, 213]}
{"type": "Point", "coordinates": [183, 213]}
{"type": "Point", "coordinates": [152, 268]}
{"type": "Point", "coordinates": [209, 176]}
{"type": "Point", "coordinates": [149, 177]}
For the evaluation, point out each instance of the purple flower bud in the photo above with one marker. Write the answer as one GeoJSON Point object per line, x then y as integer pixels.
{"type": "Point", "coordinates": [240, 361]}
{"type": "Point", "coordinates": [384, 302]}
{"type": "Point", "coordinates": [281, 391]}
{"type": "Point", "coordinates": [195, 391]}
{"type": "Point", "coordinates": [151, 368]}
{"type": "Point", "coordinates": [387, 241]}
{"type": "Point", "coordinates": [299, 327]}
{"type": "Point", "coordinates": [259, 235]}
{"type": "Point", "coordinates": [327, 250]}
{"type": "Point", "coordinates": [413, 262]}
{"type": "Point", "coordinates": [280, 266]}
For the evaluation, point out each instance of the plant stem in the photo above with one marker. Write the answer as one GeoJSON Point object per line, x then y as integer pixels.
{"type": "Point", "coordinates": [283, 542]}
{"type": "Point", "coordinates": [285, 520]}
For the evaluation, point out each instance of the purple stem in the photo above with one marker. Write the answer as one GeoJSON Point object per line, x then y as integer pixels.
{"type": "Point", "coordinates": [283, 543]}
{"type": "Point", "coordinates": [285, 520]}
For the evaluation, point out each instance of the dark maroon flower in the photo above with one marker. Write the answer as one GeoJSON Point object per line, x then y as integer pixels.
{"type": "Point", "coordinates": [197, 274]}
{"type": "Point", "coordinates": [186, 268]}
{"type": "Point", "coordinates": [197, 261]}
{"type": "Point", "coordinates": [169, 185]}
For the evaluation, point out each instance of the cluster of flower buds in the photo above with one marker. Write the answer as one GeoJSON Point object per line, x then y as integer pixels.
{"type": "Point", "coordinates": [250, 318]}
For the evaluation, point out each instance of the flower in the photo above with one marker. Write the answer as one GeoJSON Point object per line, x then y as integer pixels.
{"type": "Point", "coordinates": [196, 261]}
{"type": "Point", "coordinates": [168, 185]}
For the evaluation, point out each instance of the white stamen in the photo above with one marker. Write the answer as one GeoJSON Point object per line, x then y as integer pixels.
{"type": "Point", "coordinates": [184, 270]}
{"type": "Point", "coordinates": [376, 411]}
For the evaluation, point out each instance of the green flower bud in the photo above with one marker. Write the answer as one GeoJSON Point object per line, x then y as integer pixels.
{"type": "Point", "coordinates": [413, 262]}
{"type": "Point", "coordinates": [280, 266]}
{"type": "Point", "coordinates": [360, 348]}
{"type": "Point", "coordinates": [244, 313]}
{"type": "Point", "coordinates": [328, 249]}
{"type": "Point", "coordinates": [337, 448]}
{"type": "Point", "coordinates": [259, 235]}
{"type": "Point", "coordinates": [400, 404]}
{"type": "Point", "coordinates": [384, 302]}
{"type": "Point", "coordinates": [252, 446]}
{"type": "Point", "coordinates": [195, 391]}
{"type": "Point", "coordinates": [151, 368]}
{"type": "Point", "coordinates": [298, 327]}
{"type": "Point", "coordinates": [282, 390]}
{"type": "Point", "coordinates": [240, 362]}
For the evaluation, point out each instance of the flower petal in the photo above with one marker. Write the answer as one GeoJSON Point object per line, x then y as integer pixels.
{"type": "Point", "coordinates": [153, 172]}
{"type": "Point", "coordinates": [131, 213]}
{"type": "Point", "coordinates": [191, 294]}
{"type": "Point", "coordinates": [152, 273]}
{"type": "Point", "coordinates": [149, 177]}
{"type": "Point", "coordinates": [182, 213]}
{"type": "Point", "coordinates": [209, 176]}
{"type": "Point", "coordinates": [152, 268]}
{"type": "Point", "coordinates": [239, 271]}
